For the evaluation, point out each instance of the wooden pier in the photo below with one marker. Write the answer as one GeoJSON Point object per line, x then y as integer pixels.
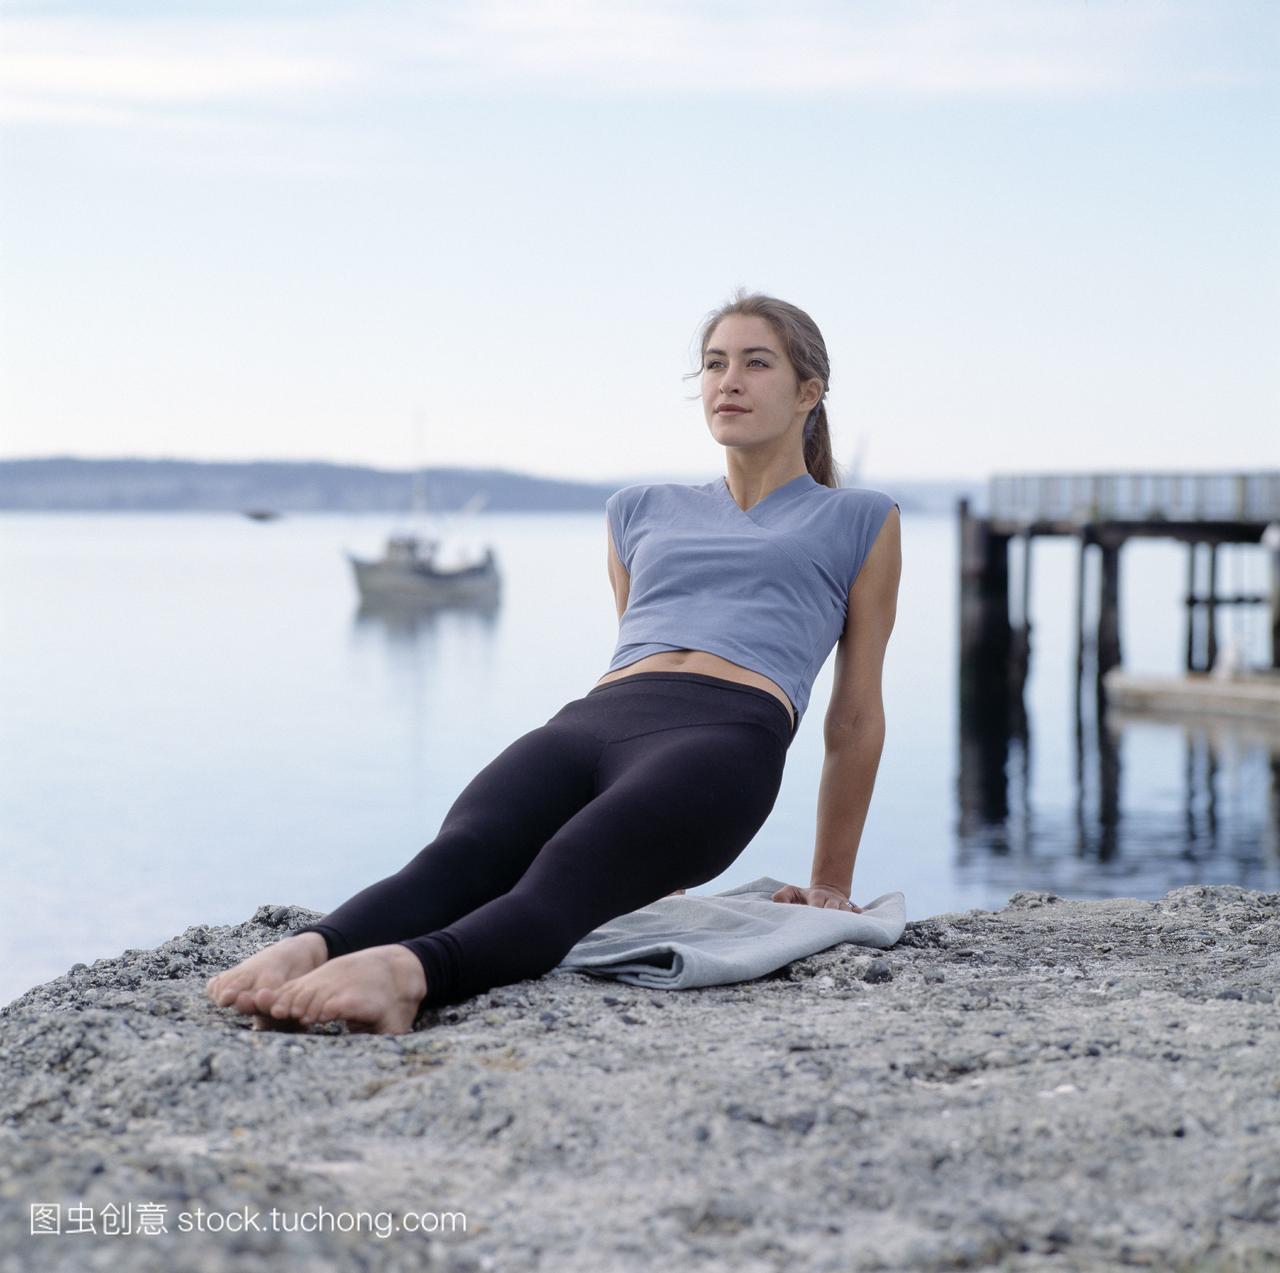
{"type": "Point", "coordinates": [1102, 512]}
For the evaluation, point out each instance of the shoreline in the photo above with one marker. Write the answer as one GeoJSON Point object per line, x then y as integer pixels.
{"type": "Point", "coordinates": [1055, 1085]}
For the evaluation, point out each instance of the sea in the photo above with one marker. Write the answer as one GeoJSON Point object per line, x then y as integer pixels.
{"type": "Point", "coordinates": [198, 718]}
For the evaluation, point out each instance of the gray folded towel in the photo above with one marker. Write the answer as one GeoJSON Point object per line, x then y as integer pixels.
{"type": "Point", "coordinates": [678, 943]}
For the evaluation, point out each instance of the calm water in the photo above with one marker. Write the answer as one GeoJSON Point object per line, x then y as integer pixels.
{"type": "Point", "coordinates": [196, 719]}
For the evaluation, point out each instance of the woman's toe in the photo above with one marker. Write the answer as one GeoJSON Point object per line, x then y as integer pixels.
{"type": "Point", "coordinates": [334, 1008]}
{"type": "Point", "coordinates": [280, 1004]}
{"type": "Point", "coordinates": [304, 997]}
{"type": "Point", "coordinates": [318, 1007]}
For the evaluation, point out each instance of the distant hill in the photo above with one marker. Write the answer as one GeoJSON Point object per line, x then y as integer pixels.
{"type": "Point", "coordinates": [62, 483]}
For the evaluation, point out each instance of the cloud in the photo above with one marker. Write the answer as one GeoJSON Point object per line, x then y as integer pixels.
{"type": "Point", "coordinates": [86, 69]}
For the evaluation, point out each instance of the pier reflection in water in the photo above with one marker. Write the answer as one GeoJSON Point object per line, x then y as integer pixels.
{"type": "Point", "coordinates": [1204, 807]}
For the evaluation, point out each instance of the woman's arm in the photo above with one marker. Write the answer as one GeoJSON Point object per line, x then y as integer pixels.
{"type": "Point", "coordinates": [618, 576]}
{"type": "Point", "coordinates": [854, 727]}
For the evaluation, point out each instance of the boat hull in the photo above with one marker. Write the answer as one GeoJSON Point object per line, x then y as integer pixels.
{"type": "Point", "coordinates": [400, 582]}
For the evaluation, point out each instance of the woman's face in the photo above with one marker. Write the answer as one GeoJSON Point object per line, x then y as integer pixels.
{"type": "Point", "coordinates": [745, 367]}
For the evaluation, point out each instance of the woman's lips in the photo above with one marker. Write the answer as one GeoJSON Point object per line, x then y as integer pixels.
{"type": "Point", "coordinates": [731, 411]}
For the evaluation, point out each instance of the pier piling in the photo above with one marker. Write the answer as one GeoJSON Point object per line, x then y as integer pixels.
{"type": "Point", "coordinates": [986, 636]}
{"type": "Point", "coordinates": [1109, 604]}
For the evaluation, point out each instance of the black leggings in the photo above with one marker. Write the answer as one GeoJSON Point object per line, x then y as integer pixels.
{"type": "Point", "coordinates": [653, 782]}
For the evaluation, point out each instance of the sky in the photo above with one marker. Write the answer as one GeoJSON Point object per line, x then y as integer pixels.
{"type": "Point", "coordinates": [1037, 235]}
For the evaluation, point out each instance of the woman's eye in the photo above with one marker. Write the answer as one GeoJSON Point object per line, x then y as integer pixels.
{"type": "Point", "coordinates": [714, 362]}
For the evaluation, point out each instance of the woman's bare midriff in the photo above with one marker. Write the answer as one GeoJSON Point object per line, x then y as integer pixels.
{"type": "Point", "coordinates": [709, 665]}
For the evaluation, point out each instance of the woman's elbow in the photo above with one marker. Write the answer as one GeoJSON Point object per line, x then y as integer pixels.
{"type": "Point", "coordinates": [864, 728]}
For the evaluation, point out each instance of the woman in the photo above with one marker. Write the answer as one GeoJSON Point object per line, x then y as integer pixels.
{"type": "Point", "coordinates": [730, 596]}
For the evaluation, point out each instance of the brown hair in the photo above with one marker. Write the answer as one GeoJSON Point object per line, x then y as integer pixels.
{"type": "Point", "coordinates": [807, 352]}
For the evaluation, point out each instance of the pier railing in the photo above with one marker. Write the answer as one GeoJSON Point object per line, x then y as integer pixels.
{"type": "Point", "coordinates": [1136, 497]}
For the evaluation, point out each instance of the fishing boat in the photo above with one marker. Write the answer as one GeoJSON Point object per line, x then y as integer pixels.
{"type": "Point", "coordinates": [413, 568]}
{"type": "Point", "coordinates": [408, 572]}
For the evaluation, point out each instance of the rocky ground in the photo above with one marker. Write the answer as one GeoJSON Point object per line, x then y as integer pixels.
{"type": "Point", "coordinates": [1056, 1085]}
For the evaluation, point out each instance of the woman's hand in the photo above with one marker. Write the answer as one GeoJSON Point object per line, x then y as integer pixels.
{"type": "Point", "coordinates": [816, 895]}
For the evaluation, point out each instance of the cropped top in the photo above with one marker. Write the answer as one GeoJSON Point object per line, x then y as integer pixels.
{"type": "Point", "coordinates": [767, 588]}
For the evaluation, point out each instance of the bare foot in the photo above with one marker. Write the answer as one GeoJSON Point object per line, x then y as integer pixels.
{"type": "Point", "coordinates": [272, 966]}
{"type": "Point", "coordinates": [377, 990]}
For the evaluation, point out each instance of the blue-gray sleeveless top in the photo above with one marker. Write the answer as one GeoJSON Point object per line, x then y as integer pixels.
{"type": "Point", "coordinates": [767, 589]}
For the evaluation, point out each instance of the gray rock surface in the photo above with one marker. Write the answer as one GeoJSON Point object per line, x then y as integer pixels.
{"type": "Point", "coordinates": [1056, 1085]}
